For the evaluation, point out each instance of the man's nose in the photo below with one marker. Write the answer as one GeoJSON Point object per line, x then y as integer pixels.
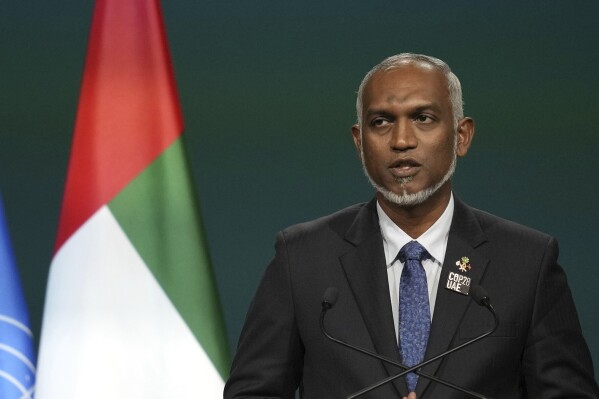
{"type": "Point", "coordinates": [403, 136]}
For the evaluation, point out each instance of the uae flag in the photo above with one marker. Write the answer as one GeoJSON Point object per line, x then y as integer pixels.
{"type": "Point", "coordinates": [131, 308]}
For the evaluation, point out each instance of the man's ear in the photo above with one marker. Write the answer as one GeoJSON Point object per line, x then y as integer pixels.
{"type": "Point", "coordinates": [465, 132]}
{"type": "Point", "coordinates": [355, 131]}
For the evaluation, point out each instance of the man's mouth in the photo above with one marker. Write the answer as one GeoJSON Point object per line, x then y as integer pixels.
{"type": "Point", "coordinates": [404, 168]}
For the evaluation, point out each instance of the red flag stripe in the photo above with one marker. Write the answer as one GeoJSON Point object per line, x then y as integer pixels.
{"type": "Point", "coordinates": [128, 108]}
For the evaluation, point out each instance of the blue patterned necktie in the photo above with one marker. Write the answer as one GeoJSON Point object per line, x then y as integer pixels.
{"type": "Point", "coordinates": [414, 309]}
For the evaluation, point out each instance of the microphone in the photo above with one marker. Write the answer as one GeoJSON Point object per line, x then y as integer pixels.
{"type": "Point", "coordinates": [329, 299]}
{"type": "Point", "coordinates": [478, 294]}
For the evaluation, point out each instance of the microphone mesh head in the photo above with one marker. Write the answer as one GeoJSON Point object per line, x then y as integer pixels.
{"type": "Point", "coordinates": [330, 296]}
{"type": "Point", "coordinates": [479, 294]}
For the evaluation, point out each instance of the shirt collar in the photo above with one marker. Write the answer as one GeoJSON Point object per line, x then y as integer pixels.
{"type": "Point", "coordinates": [434, 239]}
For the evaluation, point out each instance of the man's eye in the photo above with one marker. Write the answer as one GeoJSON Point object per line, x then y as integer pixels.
{"type": "Point", "coordinates": [422, 118]}
{"type": "Point", "coordinates": [379, 122]}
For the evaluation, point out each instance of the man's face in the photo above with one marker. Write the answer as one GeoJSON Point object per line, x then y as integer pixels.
{"type": "Point", "coordinates": [408, 140]}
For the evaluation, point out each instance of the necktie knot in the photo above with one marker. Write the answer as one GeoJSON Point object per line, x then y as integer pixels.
{"type": "Point", "coordinates": [412, 251]}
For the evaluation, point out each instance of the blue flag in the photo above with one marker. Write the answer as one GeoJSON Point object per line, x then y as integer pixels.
{"type": "Point", "coordinates": [17, 357]}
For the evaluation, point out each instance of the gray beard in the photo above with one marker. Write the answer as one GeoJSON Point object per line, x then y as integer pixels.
{"type": "Point", "coordinates": [406, 199]}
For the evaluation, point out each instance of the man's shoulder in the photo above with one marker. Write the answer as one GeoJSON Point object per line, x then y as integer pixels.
{"type": "Point", "coordinates": [496, 226]}
{"type": "Point", "coordinates": [337, 223]}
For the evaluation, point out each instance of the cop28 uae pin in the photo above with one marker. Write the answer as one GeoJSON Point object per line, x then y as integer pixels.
{"type": "Point", "coordinates": [457, 280]}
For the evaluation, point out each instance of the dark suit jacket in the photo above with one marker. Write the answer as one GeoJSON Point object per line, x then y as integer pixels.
{"type": "Point", "coordinates": [537, 351]}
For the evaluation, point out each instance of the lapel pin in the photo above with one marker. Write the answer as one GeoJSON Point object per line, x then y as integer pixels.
{"type": "Point", "coordinates": [458, 281]}
{"type": "Point", "coordinates": [464, 264]}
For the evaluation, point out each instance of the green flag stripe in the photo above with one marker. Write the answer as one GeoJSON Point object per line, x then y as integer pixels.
{"type": "Point", "coordinates": [159, 213]}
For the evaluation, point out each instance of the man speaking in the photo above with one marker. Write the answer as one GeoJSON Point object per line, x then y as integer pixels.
{"type": "Point", "coordinates": [403, 267]}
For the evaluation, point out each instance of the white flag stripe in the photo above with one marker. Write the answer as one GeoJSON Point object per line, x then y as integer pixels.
{"type": "Point", "coordinates": [29, 393]}
{"type": "Point", "coordinates": [13, 381]}
{"type": "Point", "coordinates": [109, 330]}
{"type": "Point", "coordinates": [19, 355]}
{"type": "Point", "coordinates": [17, 324]}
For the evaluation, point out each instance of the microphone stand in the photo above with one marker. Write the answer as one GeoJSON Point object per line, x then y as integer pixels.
{"type": "Point", "coordinates": [418, 366]}
{"type": "Point", "coordinates": [485, 302]}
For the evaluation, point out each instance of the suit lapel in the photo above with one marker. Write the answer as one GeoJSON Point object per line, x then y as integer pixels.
{"type": "Point", "coordinates": [465, 239]}
{"type": "Point", "coordinates": [365, 269]}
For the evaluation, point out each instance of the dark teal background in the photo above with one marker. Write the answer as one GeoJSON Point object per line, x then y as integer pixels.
{"type": "Point", "coordinates": [268, 91]}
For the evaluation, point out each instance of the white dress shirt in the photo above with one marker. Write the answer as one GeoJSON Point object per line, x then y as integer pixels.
{"type": "Point", "coordinates": [435, 242]}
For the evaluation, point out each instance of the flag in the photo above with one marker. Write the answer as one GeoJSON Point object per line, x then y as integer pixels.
{"type": "Point", "coordinates": [131, 307]}
{"type": "Point", "coordinates": [17, 356]}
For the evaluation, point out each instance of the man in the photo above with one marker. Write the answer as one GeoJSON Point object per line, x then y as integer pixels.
{"type": "Point", "coordinates": [403, 265]}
